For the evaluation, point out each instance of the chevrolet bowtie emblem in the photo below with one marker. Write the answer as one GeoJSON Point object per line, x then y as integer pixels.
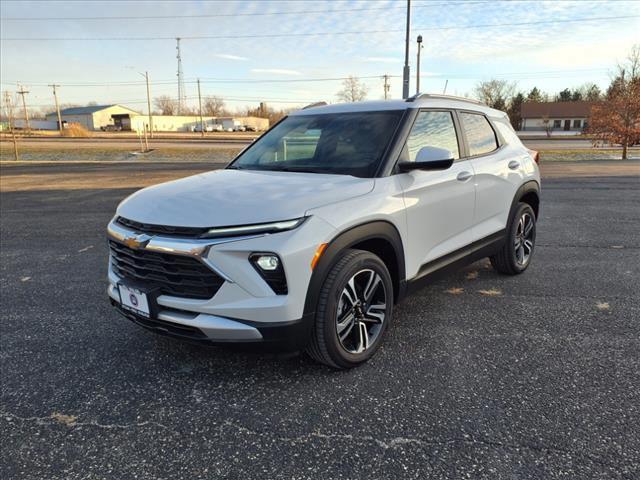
{"type": "Point", "coordinates": [137, 241]}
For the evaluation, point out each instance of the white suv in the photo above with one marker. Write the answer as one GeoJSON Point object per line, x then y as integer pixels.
{"type": "Point", "coordinates": [313, 233]}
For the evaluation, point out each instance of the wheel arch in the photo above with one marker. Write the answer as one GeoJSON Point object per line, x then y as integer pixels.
{"type": "Point", "coordinates": [529, 193]}
{"type": "Point", "coordinates": [379, 237]}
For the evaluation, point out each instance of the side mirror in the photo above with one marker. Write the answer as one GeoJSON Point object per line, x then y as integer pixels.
{"type": "Point", "coordinates": [429, 158]}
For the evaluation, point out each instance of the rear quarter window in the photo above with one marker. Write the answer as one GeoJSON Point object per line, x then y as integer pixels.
{"type": "Point", "coordinates": [507, 133]}
{"type": "Point", "coordinates": [481, 138]}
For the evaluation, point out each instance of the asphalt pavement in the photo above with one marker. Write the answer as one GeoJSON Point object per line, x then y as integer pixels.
{"type": "Point", "coordinates": [480, 376]}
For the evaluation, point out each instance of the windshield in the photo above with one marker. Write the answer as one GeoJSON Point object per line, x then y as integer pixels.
{"type": "Point", "coordinates": [345, 143]}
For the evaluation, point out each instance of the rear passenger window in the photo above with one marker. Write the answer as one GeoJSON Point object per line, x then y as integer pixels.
{"type": "Point", "coordinates": [432, 129]}
{"type": "Point", "coordinates": [480, 136]}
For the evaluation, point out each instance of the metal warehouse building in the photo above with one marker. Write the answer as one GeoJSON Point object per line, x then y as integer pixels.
{"type": "Point", "coordinates": [97, 116]}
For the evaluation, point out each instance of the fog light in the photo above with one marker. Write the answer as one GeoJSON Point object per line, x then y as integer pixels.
{"type": "Point", "coordinates": [268, 262]}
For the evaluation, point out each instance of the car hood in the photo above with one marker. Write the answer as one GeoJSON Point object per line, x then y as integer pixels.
{"type": "Point", "coordinates": [239, 197]}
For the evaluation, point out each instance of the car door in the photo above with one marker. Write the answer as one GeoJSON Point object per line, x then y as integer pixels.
{"type": "Point", "coordinates": [439, 203]}
{"type": "Point", "coordinates": [498, 172]}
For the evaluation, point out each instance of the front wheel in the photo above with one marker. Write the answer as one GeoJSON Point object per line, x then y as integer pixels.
{"type": "Point", "coordinates": [515, 256]}
{"type": "Point", "coordinates": [354, 310]}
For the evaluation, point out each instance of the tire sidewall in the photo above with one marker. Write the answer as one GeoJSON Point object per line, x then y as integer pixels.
{"type": "Point", "coordinates": [522, 208]}
{"type": "Point", "coordinates": [365, 260]}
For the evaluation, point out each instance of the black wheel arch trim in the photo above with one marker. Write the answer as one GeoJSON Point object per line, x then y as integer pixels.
{"type": "Point", "coordinates": [527, 187]}
{"type": "Point", "coordinates": [377, 229]}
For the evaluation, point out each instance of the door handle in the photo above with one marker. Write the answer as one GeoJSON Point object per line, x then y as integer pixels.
{"type": "Point", "coordinates": [513, 164]}
{"type": "Point", "coordinates": [464, 176]}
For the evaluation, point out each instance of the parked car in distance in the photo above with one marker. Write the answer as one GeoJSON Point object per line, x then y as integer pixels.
{"type": "Point", "coordinates": [312, 235]}
{"type": "Point", "coordinates": [198, 128]}
{"type": "Point", "coordinates": [111, 128]}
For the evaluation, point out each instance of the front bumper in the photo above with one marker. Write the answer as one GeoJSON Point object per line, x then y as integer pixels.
{"type": "Point", "coordinates": [209, 329]}
{"type": "Point", "coordinates": [244, 309]}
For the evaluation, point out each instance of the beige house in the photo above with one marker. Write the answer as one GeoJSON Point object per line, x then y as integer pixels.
{"type": "Point", "coordinates": [95, 117]}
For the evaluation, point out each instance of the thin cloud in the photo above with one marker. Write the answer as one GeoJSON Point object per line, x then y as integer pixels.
{"type": "Point", "coordinates": [227, 56]}
{"type": "Point", "coordinates": [275, 71]}
{"type": "Point", "coordinates": [382, 60]}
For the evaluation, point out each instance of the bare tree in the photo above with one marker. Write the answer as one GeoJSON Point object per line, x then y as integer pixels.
{"type": "Point", "coordinates": [166, 105]}
{"type": "Point", "coordinates": [616, 120]}
{"type": "Point", "coordinates": [590, 92]}
{"type": "Point", "coordinates": [264, 111]}
{"type": "Point", "coordinates": [495, 93]}
{"type": "Point", "coordinates": [214, 107]}
{"type": "Point", "coordinates": [353, 90]}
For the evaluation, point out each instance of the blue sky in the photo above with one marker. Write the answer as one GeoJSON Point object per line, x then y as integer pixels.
{"type": "Point", "coordinates": [551, 56]}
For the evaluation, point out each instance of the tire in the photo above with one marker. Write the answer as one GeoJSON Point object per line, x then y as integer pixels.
{"type": "Point", "coordinates": [357, 294]}
{"type": "Point", "coordinates": [517, 252]}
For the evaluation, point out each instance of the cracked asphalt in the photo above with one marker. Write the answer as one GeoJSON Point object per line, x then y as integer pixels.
{"type": "Point", "coordinates": [481, 376]}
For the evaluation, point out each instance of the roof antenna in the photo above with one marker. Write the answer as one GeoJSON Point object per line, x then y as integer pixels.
{"type": "Point", "coordinates": [444, 92]}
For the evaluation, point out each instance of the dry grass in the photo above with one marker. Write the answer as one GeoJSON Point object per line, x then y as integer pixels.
{"type": "Point", "coordinates": [76, 130]}
{"type": "Point", "coordinates": [493, 292]}
{"type": "Point", "coordinates": [68, 420]}
{"type": "Point", "coordinates": [455, 291]}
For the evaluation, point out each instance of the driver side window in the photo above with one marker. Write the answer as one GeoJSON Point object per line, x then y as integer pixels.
{"type": "Point", "coordinates": [431, 129]}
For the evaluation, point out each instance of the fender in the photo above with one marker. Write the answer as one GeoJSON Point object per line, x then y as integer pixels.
{"type": "Point", "coordinates": [379, 229]}
{"type": "Point", "coordinates": [532, 186]}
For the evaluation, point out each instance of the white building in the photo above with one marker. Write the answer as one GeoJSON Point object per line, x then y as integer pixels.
{"type": "Point", "coordinates": [100, 116]}
{"type": "Point", "coordinates": [95, 117]}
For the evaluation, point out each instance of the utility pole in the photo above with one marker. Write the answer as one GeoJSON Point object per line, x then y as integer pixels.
{"type": "Point", "coordinates": [386, 86]}
{"type": "Point", "coordinates": [406, 72]}
{"type": "Point", "coordinates": [200, 106]}
{"type": "Point", "coordinates": [418, 65]}
{"type": "Point", "coordinates": [146, 76]}
{"type": "Point", "coordinates": [181, 92]}
{"type": "Point", "coordinates": [22, 92]}
{"type": "Point", "coordinates": [444, 92]}
{"type": "Point", "coordinates": [9, 107]}
{"type": "Point", "coordinates": [55, 96]}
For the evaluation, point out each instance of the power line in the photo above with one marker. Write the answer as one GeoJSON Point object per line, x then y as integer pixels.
{"type": "Point", "coordinates": [202, 80]}
{"type": "Point", "coordinates": [312, 34]}
{"type": "Point", "coordinates": [214, 80]}
{"type": "Point", "coordinates": [241, 14]}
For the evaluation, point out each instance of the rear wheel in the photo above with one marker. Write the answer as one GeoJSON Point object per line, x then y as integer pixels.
{"type": "Point", "coordinates": [515, 256]}
{"type": "Point", "coordinates": [354, 310]}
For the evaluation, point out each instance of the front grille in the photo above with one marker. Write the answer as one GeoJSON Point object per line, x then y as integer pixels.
{"type": "Point", "coordinates": [174, 275]}
{"type": "Point", "coordinates": [152, 229]}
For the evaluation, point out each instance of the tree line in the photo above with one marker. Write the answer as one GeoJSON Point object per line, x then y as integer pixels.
{"type": "Point", "coordinates": [615, 115]}
{"type": "Point", "coordinates": [503, 95]}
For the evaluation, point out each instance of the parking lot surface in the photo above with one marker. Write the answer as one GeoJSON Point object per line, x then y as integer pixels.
{"type": "Point", "coordinates": [480, 376]}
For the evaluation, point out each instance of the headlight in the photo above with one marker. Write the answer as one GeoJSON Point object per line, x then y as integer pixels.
{"type": "Point", "coordinates": [259, 228]}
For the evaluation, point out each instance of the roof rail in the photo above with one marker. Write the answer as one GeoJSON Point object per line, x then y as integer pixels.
{"type": "Point", "coordinates": [313, 105]}
{"type": "Point", "coordinates": [419, 96]}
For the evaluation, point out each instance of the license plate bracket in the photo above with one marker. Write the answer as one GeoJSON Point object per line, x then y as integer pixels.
{"type": "Point", "coordinates": [139, 300]}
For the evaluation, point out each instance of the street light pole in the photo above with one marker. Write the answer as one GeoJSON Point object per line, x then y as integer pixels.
{"type": "Point", "coordinates": [418, 65]}
{"type": "Point", "coordinates": [146, 76]}
{"type": "Point", "coordinates": [405, 72]}
{"type": "Point", "coordinates": [200, 108]}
